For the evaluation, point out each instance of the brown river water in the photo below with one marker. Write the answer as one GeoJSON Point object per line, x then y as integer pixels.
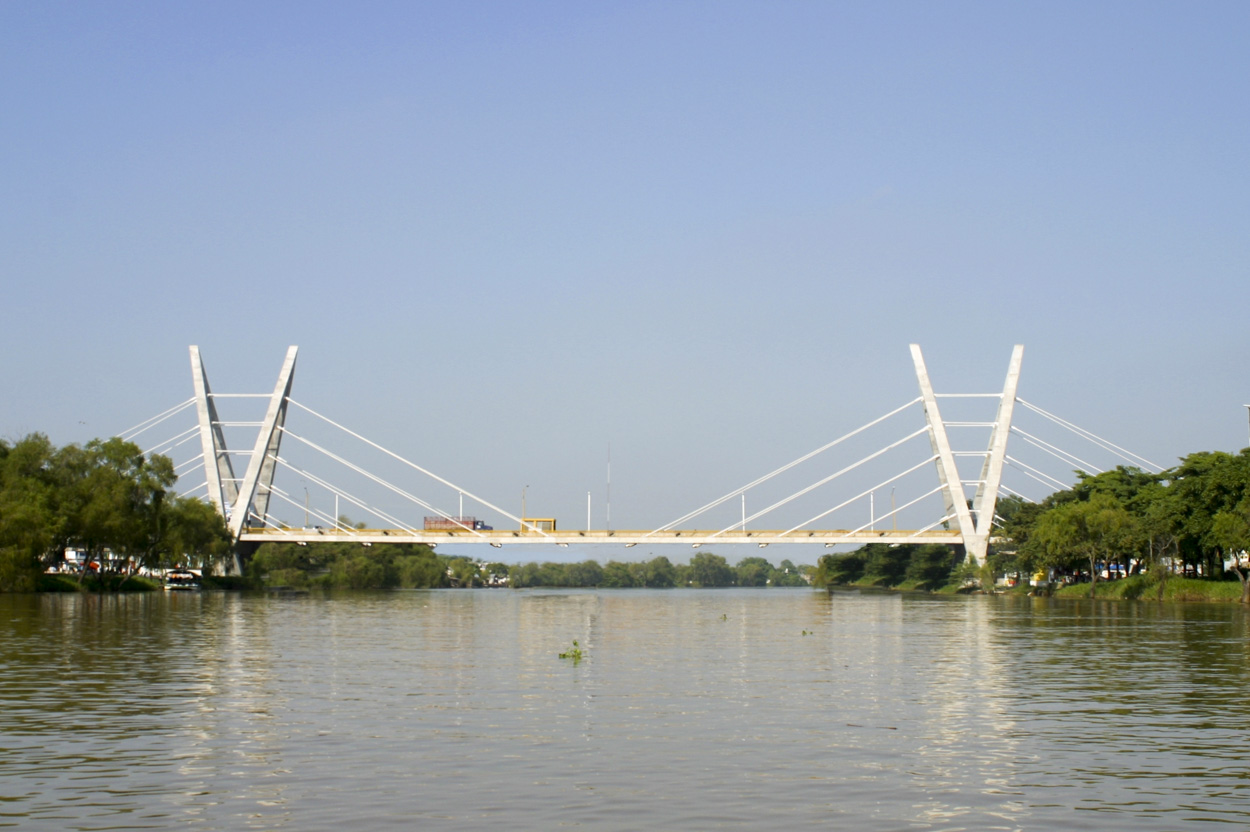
{"type": "Point", "coordinates": [690, 709]}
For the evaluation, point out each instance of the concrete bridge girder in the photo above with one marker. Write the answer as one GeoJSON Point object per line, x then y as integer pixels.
{"type": "Point", "coordinates": [514, 537]}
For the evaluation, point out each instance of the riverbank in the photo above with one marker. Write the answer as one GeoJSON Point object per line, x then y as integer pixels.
{"type": "Point", "coordinates": [96, 583]}
{"type": "Point", "coordinates": [1145, 588]}
{"type": "Point", "coordinates": [1136, 588]}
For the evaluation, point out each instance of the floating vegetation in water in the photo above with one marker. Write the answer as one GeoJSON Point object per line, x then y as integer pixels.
{"type": "Point", "coordinates": [574, 653]}
{"type": "Point", "coordinates": [724, 617]}
{"type": "Point", "coordinates": [808, 633]}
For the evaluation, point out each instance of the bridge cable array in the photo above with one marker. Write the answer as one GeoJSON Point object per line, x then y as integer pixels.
{"type": "Point", "coordinates": [194, 463]}
{"type": "Point", "coordinates": [742, 490]}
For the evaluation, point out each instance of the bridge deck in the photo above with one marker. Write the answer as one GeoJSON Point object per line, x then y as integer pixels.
{"type": "Point", "coordinates": [501, 537]}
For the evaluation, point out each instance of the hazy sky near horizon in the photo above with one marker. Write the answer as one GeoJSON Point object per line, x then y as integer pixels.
{"type": "Point", "coordinates": [505, 235]}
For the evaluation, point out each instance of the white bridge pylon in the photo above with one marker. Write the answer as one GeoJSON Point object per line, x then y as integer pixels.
{"type": "Point", "coordinates": [245, 501]}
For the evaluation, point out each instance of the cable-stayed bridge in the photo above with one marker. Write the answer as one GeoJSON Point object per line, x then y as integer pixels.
{"type": "Point", "coordinates": [956, 508]}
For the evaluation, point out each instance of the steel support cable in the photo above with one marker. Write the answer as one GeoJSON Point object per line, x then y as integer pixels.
{"type": "Point", "coordinates": [321, 515]}
{"type": "Point", "coordinates": [781, 470]}
{"type": "Point", "coordinates": [1036, 474]}
{"type": "Point", "coordinates": [1092, 437]}
{"type": "Point", "coordinates": [333, 489]}
{"type": "Point", "coordinates": [874, 520]}
{"type": "Point", "coordinates": [199, 460]}
{"type": "Point", "coordinates": [131, 433]}
{"type": "Point", "coordinates": [269, 520]}
{"type": "Point", "coordinates": [325, 484]}
{"type": "Point", "coordinates": [1012, 491]}
{"type": "Point", "coordinates": [386, 484]}
{"type": "Point", "coordinates": [185, 436]}
{"type": "Point", "coordinates": [1056, 452]}
{"type": "Point", "coordinates": [396, 489]}
{"type": "Point", "coordinates": [824, 481]}
{"type": "Point", "coordinates": [397, 523]}
{"type": "Point", "coordinates": [860, 495]}
{"type": "Point", "coordinates": [341, 493]}
{"type": "Point", "coordinates": [415, 466]}
{"type": "Point", "coordinates": [932, 525]}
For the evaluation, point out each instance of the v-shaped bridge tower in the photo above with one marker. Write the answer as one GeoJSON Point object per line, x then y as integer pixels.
{"type": "Point", "coordinates": [240, 499]}
{"type": "Point", "coordinates": [974, 519]}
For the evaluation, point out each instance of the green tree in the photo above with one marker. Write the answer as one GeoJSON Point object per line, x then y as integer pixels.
{"type": "Point", "coordinates": [365, 570]}
{"type": "Point", "coordinates": [31, 519]}
{"type": "Point", "coordinates": [586, 573]}
{"type": "Point", "coordinates": [420, 568]}
{"type": "Point", "coordinates": [886, 564]}
{"type": "Point", "coordinates": [659, 573]}
{"type": "Point", "coordinates": [1161, 516]}
{"type": "Point", "coordinates": [617, 575]}
{"type": "Point", "coordinates": [464, 573]}
{"type": "Point", "coordinates": [839, 569]}
{"type": "Point", "coordinates": [754, 571]}
{"type": "Point", "coordinates": [1231, 528]}
{"type": "Point", "coordinates": [709, 570]}
{"type": "Point", "coordinates": [524, 575]}
{"type": "Point", "coordinates": [1094, 530]}
{"type": "Point", "coordinates": [930, 566]}
{"type": "Point", "coordinates": [787, 574]}
{"type": "Point", "coordinates": [191, 533]}
{"type": "Point", "coordinates": [553, 574]}
{"type": "Point", "coordinates": [1208, 483]}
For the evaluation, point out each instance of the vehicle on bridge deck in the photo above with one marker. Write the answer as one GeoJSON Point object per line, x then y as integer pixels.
{"type": "Point", "coordinates": [452, 524]}
{"type": "Point", "coordinates": [538, 524]}
{"type": "Point", "coordinates": [182, 580]}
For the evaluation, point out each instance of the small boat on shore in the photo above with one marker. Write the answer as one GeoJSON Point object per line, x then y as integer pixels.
{"type": "Point", "coordinates": [182, 580]}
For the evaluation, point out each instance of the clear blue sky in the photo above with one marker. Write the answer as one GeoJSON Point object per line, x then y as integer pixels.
{"type": "Point", "coordinates": [507, 234]}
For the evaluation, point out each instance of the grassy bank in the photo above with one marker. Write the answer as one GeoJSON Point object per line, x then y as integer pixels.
{"type": "Point", "coordinates": [1138, 587]}
{"type": "Point", "coordinates": [940, 588]}
{"type": "Point", "coordinates": [1146, 588]}
{"type": "Point", "coordinates": [96, 583]}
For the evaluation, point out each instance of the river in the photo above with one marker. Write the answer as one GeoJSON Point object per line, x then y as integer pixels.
{"type": "Point", "coordinates": [690, 709]}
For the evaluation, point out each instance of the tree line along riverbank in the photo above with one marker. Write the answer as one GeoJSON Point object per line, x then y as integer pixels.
{"type": "Point", "coordinates": [415, 566]}
{"type": "Point", "coordinates": [1182, 533]}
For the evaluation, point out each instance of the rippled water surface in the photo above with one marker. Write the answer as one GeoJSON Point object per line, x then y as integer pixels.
{"type": "Point", "coordinates": [737, 709]}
